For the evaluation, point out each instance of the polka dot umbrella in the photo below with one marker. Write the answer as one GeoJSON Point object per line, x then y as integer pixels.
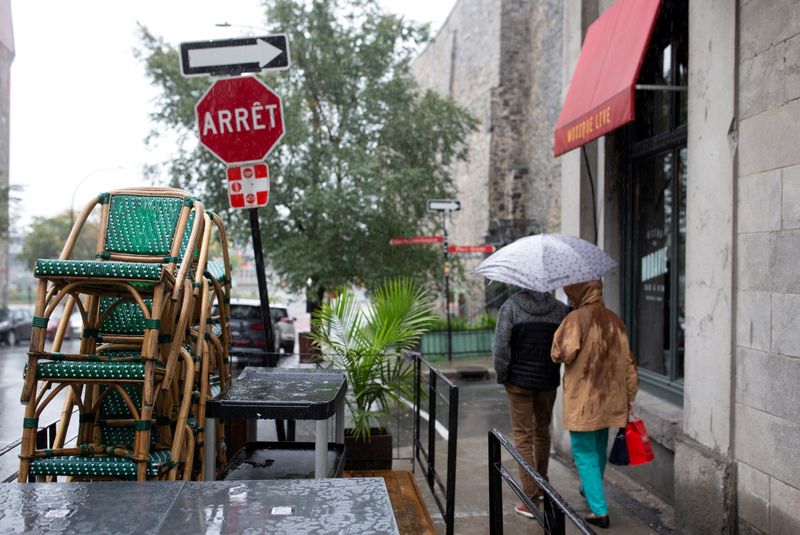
{"type": "Point", "coordinates": [544, 262]}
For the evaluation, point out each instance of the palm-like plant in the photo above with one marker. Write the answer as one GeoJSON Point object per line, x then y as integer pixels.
{"type": "Point", "coordinates": [367, 343]}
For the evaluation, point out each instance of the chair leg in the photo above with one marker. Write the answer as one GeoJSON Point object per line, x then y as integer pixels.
{"type": "Point", "coordinates": [183, 413]}
{"type": "Point", "coordinates": [38, 333]}
{"type": "Point", "coordinates": [28, 446]}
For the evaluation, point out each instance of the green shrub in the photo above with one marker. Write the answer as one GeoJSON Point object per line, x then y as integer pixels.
{"type": "Point", "coordinates": [484, 321]}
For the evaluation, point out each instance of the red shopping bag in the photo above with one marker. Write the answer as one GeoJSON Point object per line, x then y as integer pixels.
{"type": "Point", "coordinates": [640, 451]}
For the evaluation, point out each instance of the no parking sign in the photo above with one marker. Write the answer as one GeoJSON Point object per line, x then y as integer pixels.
{"type": "Point", "coordinates": [248, 185]}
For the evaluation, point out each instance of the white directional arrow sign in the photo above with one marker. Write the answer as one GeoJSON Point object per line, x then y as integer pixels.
{"type": "Point", "coordinates": [444, 205]}
{"type": "Point", "coordinates": [234, 56]}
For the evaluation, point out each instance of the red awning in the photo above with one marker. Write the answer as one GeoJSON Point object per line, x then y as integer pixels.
{"type": "Point", "coordinates": [600, 96]}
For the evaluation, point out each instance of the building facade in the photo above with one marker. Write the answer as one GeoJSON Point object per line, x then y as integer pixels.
{"type": "Point", "coordinates": [6, 57]}
{"type": "Point", "coordinates": [501, 61]}
{"type": "Point", "coordinates": [697, 195]}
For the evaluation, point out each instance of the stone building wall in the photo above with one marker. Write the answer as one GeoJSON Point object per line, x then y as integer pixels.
{"type": "Point", "coordinates": [6, 57]}
{"type": "Point", "coordinates": [463, 62]}
{"type": "Point", "coordinates": [501, 61]}
{"type": "Point", "coordinates": [767, 355]}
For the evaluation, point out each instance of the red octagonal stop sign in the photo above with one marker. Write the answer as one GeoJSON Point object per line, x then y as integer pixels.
{"type": "Point", "coordinates": [239, 119]}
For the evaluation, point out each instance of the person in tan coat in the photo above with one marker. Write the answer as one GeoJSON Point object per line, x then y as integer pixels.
{"type": "Point", "coordinates": [599, 385]}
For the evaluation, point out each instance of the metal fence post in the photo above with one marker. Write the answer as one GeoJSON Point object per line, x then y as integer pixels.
{"type": "Point", "coordinates": [495, 488]}
{"type": "Point", "coordinates": [553, 517]}
{"type": "Point", "coordinates": [431, 426]}
{"type": "Point", "coordinates": [452, 448]}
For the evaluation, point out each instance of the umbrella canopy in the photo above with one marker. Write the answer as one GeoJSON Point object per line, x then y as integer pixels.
{"type": "Point", "coordinates": [544, 262]}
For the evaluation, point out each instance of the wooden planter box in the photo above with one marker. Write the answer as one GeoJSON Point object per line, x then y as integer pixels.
{"type": "Point", "coordinates": [309, 353]}
{"type": "Point", "coordinates": [373, 455]}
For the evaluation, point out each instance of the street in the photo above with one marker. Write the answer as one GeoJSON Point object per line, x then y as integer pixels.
{"type": "Point", "coordinates": [12, 365]}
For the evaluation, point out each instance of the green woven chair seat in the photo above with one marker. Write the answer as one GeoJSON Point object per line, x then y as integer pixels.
{"type": "Point", "coordinates": [67, 369]}
{"type": "Point", "coordinates": [117, 467]}
{"type": "Point", "coordinates": [52, 267]}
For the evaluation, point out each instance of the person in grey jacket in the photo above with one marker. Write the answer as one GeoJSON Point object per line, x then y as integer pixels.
{"type": "Point", "coordinates": [522, 342]}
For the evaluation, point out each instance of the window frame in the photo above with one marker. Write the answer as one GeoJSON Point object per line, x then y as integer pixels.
{"type": "Point", "coordinates": [637, 149]}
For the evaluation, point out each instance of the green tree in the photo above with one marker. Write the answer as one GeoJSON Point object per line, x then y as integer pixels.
{"type": "Point", "coordinates": [47, 235]}
{"type": "Point", "coordinates": [363, 151]}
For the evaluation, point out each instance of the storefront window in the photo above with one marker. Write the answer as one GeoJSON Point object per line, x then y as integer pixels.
{"type": "Point", "coordinates": [659, 265]}
{"type": "Point", "coordinates": [654, 211]}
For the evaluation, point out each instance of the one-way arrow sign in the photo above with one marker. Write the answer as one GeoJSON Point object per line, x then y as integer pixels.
{"type": "Point", "coordinates": [444, 205]}
{"type": "Point", "coordinates": [235, 56]}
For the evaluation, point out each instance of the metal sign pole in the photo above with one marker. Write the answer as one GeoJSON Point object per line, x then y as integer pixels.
{"type": "Point", "coordinates": [263, 294]}
{"type": "Point", "coordinates": [446, 215]}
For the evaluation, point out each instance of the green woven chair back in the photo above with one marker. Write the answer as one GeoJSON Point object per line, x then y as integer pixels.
{"type": "Point", "coordinates": [186, 234]}
{"type": "Point", "coordinates": [124, 318]}
{"type": "Point", "coordinates": [142, 225]}
{"type": "Point", "coordinates": [114, 407]}
{"type": "Point", "coordinates": [216, 269]}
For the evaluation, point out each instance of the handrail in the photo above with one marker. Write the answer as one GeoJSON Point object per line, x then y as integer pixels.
{"type": "Point", "coordinates": [555, 509]}
{"type": "Point", "coordinates": [427, 458]}
{"type": "Point", "coordinates": [45, 438]}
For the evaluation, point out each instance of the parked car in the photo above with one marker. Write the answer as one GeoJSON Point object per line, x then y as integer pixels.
{"type": "Point", "coordinates": [247, 329]}
{"type": "Point", "coordinates": [73, 329]}
{"type": "Point", "coordinates": [15, 325]}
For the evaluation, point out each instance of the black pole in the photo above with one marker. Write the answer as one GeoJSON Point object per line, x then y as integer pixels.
{"type": "Point", "coordinates": [446, 215]}
{"type": "Point", "coordinates": [495, 488]}
{"type": "Point", "coordinates": [263, 294]}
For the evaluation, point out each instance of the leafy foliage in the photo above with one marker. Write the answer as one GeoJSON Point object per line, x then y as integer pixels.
{"type": "Point", "coordinates": [485, 321]}
{"type": "Point", "coordinates": [363, 150]}
{"type": "Point", "coordinates": [47, 236]}
{"type": "Point", "coordinates": [368, 345]}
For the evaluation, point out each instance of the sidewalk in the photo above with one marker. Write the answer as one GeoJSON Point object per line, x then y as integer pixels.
{"type": "Point", "coordinates": [632, 509]}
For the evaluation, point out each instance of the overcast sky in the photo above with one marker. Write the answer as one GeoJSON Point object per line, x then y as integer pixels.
{"type": "Point", "coordinates": [80, 101]}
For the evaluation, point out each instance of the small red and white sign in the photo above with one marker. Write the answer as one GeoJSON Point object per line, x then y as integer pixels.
{"type": "Point", "coordinates": [471, 249]}
{"type": "Point", "coordinates": [417, 240]}
{"type": "Point", "coordinates": [248, 185]}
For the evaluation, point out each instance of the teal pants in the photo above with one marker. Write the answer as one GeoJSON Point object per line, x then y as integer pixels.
{"type": "Point", "coordinates": [589, 452]}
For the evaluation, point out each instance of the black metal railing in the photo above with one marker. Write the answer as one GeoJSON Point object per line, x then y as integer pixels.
{"type": "Point", "coordinates": [444, 492]}
{"type": "Point", "coordinates": [45, 438]}
{"type": "Point", "coordinates": [555, 509]}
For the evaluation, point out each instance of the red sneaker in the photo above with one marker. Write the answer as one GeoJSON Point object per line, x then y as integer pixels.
{"type": "Point", "coordinates": [521, 509]}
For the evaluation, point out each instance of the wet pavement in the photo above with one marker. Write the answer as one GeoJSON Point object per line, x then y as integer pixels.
{"type": "Point", "coordinates": [483, 405]}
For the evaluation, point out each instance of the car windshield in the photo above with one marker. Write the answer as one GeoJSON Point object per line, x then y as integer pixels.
{"type": "Point", "coordinates": [4, 314]}
{"type": "Point", "coordinates": [245, 312]}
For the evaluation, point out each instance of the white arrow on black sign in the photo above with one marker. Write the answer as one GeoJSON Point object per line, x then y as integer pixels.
{"type": "Point", "coordinates": [444, 205]}
{"type": "Point", "coordinates": [235, 56]}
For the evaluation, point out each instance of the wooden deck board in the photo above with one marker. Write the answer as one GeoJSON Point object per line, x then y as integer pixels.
{"type": "Point", "coordinates": [409, 510]}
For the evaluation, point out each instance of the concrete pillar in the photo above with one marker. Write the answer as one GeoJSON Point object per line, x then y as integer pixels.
{"type": "Point", "coordinates": [704, 475]}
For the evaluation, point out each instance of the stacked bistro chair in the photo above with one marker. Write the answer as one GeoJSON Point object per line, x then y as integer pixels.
{"type": "Point", "coordinates": [209, 339]}
{"type": "Point", "coordinates": [147, 353]}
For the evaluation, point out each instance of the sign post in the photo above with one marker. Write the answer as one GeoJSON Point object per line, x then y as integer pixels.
{"type": "Point", "coordinates": [445, 206]}
{"type": "Point", "coordinates": [240, 119]}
